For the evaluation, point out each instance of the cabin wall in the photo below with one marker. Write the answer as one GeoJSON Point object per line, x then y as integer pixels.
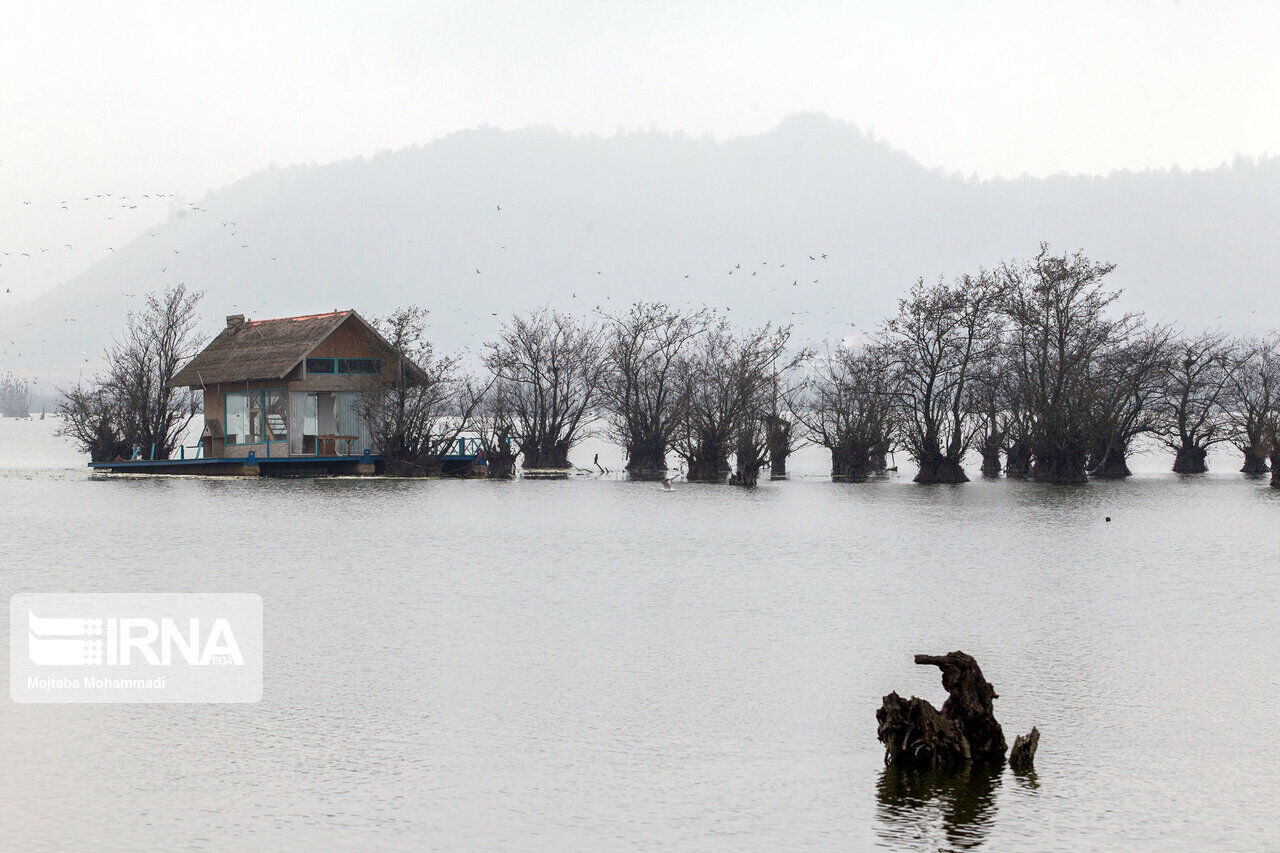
{"type": "Point", "coordinates": [353, 340]}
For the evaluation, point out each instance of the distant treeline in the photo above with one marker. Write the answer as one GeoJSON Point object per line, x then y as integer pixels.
{"type": "Point", "coordinates": [1030, 366]}
{"type": "Point", "coordinates": [15, 397]}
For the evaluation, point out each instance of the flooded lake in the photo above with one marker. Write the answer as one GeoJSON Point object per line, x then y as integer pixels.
{"type": "Point", "coordinates": [596, 664]}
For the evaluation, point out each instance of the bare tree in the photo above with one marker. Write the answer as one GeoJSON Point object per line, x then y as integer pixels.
{"type": "Point", "coordinates": [553, 368]}
{"type": "Point", "coordinates": [133, 405]}
{"type": "Point", "coordinates": [643, 394]}
{"type": "Point", "coordinates": [1131, 378]}
{"type": "Point", "coordinates": [417, 416]}
{"type": "Point", "coordinates": [938, 339]}
{"type": "Point", "coordinates": [15, 397]}
{"type": "Point", "coordinates": [768, 376]}
{"type": "Point", "coordinates": [89, 417]}
{"type": "Point", "coordinates": [787, 389]}
{"type": "Point", "coordinates": [1253, 402]}
{"type": "Point", "coordinates": [1191, 415]}
{"type": "Point", "coordinates": [723, 381]}
{"type": "Point", "coordinates": [495, 422]}
{"type": "Point", "coordinates": [1058, 308]}
{"type": "Point", "coordinates": [850, 409]}
{"type": "Point", "coordinates": [991, 409]}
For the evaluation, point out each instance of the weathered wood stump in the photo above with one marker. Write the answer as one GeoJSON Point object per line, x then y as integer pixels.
{"type": "Point", "coordinates": [1023, 754]}
{"type": "Point", "coordinates": [969, 702]}
{"type": "Point", "coordinates": [914, 732]}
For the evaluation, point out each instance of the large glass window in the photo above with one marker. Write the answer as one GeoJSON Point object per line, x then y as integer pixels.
{"type": "Point", "coordinates": [277, 414]}
{"type": "Point", "coordinates": [254, 417]}
{"type": "Point", "coordinates": [359, 365]}
{"type": "Point", "coordinates": [238, 418]}
{"type": "Point", "coordinates": [320, 365]}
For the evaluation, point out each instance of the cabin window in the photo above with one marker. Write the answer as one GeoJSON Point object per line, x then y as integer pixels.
{"type": "Point", "coordinates": [255, 417]}
{"type": "Point", "coordinates": [359, 365]}
{"type": "Point", "coordinates": [321, 365]}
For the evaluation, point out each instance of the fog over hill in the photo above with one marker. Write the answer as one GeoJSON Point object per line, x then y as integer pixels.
{"type": "Point", "coordinates": [485, 222]}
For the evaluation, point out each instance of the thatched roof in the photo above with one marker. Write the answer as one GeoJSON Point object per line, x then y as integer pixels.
{"type": "Point", "coordinates": [248, 350]}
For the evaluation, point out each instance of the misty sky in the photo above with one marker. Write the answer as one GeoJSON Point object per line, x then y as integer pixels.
{"type": "Point", "coordinates": [179, 97]}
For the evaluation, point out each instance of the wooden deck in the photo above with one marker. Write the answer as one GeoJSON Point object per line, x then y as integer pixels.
{"type": "Point", "coordinates": [273, 466]}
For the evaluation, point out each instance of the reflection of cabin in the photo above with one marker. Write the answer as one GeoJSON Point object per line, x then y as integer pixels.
{"type": "Point", "coordinates": [289, 390]}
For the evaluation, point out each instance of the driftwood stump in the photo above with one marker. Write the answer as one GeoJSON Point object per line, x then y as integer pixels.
{"type": "Point", "coordinates": [969, 702]}
{"type": "Point", "coordinates": [914, 732]}
{"type": "Point", "coordinates": [1023, 754]}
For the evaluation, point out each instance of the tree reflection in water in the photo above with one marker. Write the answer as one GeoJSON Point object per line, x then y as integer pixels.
{"type": "Point", "coordinates": [937, 809]}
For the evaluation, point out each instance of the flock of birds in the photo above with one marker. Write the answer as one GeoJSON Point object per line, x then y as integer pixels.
{"type": "Point", "coordinates": [230, 236]}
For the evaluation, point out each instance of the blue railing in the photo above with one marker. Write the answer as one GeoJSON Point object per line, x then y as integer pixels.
{"type": "Point", "coordinates": [464, 447]}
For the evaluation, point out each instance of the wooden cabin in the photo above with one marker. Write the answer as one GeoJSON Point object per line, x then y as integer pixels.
{"type": "Point", "coordinates": [287, 391]}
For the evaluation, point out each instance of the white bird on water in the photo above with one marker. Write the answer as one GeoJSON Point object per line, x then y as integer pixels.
{"type": "Point", "coordinates": [666, 483]}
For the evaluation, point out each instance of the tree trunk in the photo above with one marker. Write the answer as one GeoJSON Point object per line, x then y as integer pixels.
{"type": "Point", "coordinates": [502, 466]}
{"type": "Point", "coordinates": [850, 465]}
{"type": "Point", "coordinates": [1255, 464]}
{"type": "Point", "coordinates": [991, 457]}
{"type": "Point", "coordinates": [1023, 754]}
{"type": "Point", "coordinates": [549, 455]}
{"type": "Point", "coordinates": [501, 457]}
{"type": "Point", "coordinates": [747, 474]}
{"type": "Point", "coordinates": [940, 469]}
{"type": "Point", "coordinates": [708, 469]}
{"type": "Point", "coordinates": [879, 457]}
{"type": "Point", "coordinates": [1190, 459]}
{"type": "Point", "coordinates": [1275, 469]}
{"type": "Point", "coordinates": [646, 460]}
{"type": "Point", "coordinates": [778, 443]}
{"type": "Point", "coordinates": [1113, 464]}
{"type": "Point", "coordinates": [1059, 468]}
{"type": "Point", "coordinates": [1018, 460]}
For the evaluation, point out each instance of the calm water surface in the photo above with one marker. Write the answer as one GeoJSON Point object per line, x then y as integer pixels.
{"type": "Point", "coordinates": [596, 664]}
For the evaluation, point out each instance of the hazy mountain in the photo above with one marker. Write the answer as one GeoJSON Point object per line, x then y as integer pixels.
{"type": "Point", "coordinates": [587, 221]}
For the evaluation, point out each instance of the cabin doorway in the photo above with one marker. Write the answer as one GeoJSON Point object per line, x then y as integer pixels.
{"type": "Point", "coordinates": [319, 421]}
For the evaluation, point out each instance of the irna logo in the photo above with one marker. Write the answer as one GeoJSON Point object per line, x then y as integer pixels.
{"type": "Point", "coordinates": [125, 641]}
{"type": "Point", "coordinates": [135, 647]}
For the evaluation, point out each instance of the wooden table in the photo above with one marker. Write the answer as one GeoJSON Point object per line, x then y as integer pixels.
{"type": "Point", "coordinates": [330, 443]}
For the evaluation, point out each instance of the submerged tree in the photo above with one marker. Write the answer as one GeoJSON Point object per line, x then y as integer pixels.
{"type": "Point", "coordinates": [1191, 415]}
{"type": "Point", "coordinates": [418, 413]}
{"type": "Point", "coordinates": [940, 336]}
{"type": "Point", "coordinates": [89, 417]}
{"type": "Point", "coordinates": [495, 423]}
{"type": "Point", "coordinates": [553, 368]}
{"type": "Point", "coordinates": [1253, 402]}
{"type": "Point", "coordinates": [1131, 377]}
{"type": "Point", "coordinates": [781, 436]}
{"type": "Point", "coordinates": [992, 412]}
{"type": "Point", "coordinates": [850, 409]}
{"type": "Point", "coordinates": [133, 404]}
{"type": "Point", "coordinates": [643, 393]}
{"type": "Point", "coordinates": [763, 429]}
{"type": "Point", "coordinates": [1058, 309]}
{"type": "Point", "coordinates": [724, 381]}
